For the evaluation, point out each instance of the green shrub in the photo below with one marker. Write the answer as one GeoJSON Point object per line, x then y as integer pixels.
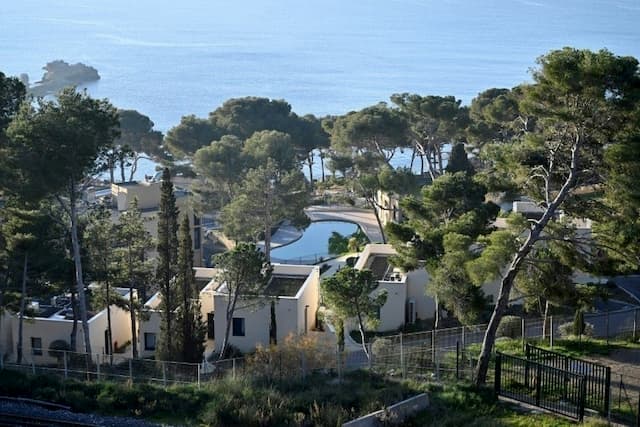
{"type": "Point", "coordinates": [510, 327]}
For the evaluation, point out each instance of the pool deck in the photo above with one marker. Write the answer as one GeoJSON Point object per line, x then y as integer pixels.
{"type": "Point", "coordinates": [364, 218]}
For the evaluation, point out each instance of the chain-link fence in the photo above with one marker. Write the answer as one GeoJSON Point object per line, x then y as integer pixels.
{"type": "Point", "coordinates": [439, 354]}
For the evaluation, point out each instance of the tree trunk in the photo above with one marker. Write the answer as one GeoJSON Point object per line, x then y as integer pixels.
{"type": "Point", "coordinates": [362, 337]}
{"type": "Point", "coordinates": [545, 320]}
{"type": "Point", "coordinates": [310, 162]}
{"type": "Point", "coordinates": [322, 165]}
{"type": "Point", "coordinates": [413, 158]}
{"type": "Point", "coordinates": [73, 339]}
{"type": "Point", "coordinates": [122, 171]}
{"type": "Point", "coordinates": [517, 260]}
{"type": "Point", "coordinates": [78, 267]}
{"type": "Point", "coordinates": [267, 226]}
{"type": "Point", "coordinates": [436, 322]}
{"type": "Point", "coordinates": [377, 215]}
{"type": "Point", "coordinates": [109, 331]}
{"type": "Point", "coordinates": [23, 301]}
{"type": "Point", "coordinates": [229, 316]}
{"type": "Point", "coordinates": [134, 332]}
{"type": "Point", "coordinates": [273, 327]}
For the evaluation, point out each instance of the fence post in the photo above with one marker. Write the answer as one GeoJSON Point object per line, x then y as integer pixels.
{"type": "Point", "coordinates": [635, 325]}
{"type": "Point", "coordinates": [538, 381]}
{"type": "Point", "coordinates": [66, 368]}
{"type": "Point", "coordinates": [338, 363]}
{"type": "Point", "coordinates": [462, 340]}
{"type": "Point", "coordinates": [369, 354]}
{"type": "Point", "coordinates": [98, 367]}
{"type": "Point", "coordinates": [638, 411]}
{"type": "Point", "coordinates": [33, 367]}
{"type": "Point", "coordinates": [523, 331]}
{"type": "Point", "coordinates": [402, 366]}
{"type": "Point", "coordinates": [498, 374]}
{"type": "Point", "coordinates": [551, 332]}
{"type": "Point", "coordinates": [131, 371]}
{"type": "Point", "coordinates": [527, 352]}
{"type": "Point", "coordinates": [583, 396]}
{"type": "Point", "coordinates": [607, 391]}
{"type": "Point", "coordinates": [457, 360]}
{"type": "Point", "coordinates": [164, 373]}
{"type": "Point", "coordinates": [607, 322]}
{"type": "Point", "coordinates": [198, 375]}
{"type": "Point", "coordinates": [233, 368]}
{"type": "Point", "coordinates": [433, 347]}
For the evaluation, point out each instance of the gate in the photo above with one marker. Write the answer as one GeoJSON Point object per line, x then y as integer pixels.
{"type": "Point", "coordinates": [537, 384]}
{"type": "Point", "coordinates": [597, 377]}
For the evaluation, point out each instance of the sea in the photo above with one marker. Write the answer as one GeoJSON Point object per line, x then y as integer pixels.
{"type": "Point", "coordinates": [168, 58]}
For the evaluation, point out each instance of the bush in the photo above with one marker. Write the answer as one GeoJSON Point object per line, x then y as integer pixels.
{"type": "Point", "coordinates": [510, 327]}
{"type": "Point", "coordinates": [567, 330]}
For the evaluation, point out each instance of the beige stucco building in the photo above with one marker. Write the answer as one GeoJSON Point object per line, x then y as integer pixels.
{"type": "Point", "coordinates": [295, 291]}
{"type": "Point", "coordinates": [51, 323]}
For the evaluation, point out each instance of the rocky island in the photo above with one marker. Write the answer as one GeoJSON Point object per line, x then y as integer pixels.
{"type": "Point", "coordinates": [60, 74]}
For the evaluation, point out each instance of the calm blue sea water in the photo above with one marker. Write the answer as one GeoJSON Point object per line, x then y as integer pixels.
{"type": "Point", "coordinates": [172, 58]}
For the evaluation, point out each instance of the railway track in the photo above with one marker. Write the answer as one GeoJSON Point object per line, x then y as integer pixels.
{"type": "Point", "coordinates": [8, 419]}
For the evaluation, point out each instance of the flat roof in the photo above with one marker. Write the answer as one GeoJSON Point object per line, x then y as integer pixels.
{"type": "Point", "coordinates": [379, 265]}
{"type": "Point", "coordinates": [285, 285]}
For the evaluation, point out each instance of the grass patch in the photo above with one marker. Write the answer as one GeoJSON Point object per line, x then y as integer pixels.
{"type": "Point", "coordinates": [571, 347]}
{"type": "Point", "coordinates": [453, 406]}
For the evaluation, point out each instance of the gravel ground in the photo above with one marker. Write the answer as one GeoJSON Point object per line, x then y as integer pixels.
{"type": "Point", "coordinates": [19, 408]}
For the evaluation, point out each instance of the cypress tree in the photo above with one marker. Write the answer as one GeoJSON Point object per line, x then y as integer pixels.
{"type": "Point", "coordinates": [190, 342]}
{"type": "Point", "coordinates": [167, 265]}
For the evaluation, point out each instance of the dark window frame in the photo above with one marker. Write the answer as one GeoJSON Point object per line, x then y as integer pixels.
{"type": "Point", "coordinates": [238, 327]}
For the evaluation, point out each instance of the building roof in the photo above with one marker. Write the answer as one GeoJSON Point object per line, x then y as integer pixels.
{"type": "Point", "coordinates": [285, 285]}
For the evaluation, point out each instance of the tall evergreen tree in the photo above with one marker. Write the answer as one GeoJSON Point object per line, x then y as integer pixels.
{"type": "Point", "coordinates": [191, 334]}
{"type": "Point", "coordinates": [136, 271]}
{"type": "Point", "coordinates": [51, 151]}
{"type": "Point", "coordinates": [100, 240]}
{"type": "Point", "coordinates": [167, 261]}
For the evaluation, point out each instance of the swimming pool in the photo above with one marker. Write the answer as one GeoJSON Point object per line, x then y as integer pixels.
{"type": "Point", "coordinates": [313, 244]}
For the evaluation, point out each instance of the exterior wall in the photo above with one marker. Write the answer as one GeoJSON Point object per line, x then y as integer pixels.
{"type": "Point", "coordinates": [391, 204]}
{"type": "Point", "coordinates": [6, 334]}
{"type": "Point", "coordinates": [52, 329]}
{"type": "Point", "coordinates": [257, 318]}
{"type": "Point", "coordinates": [120, 329]}
{"type": "Point", "coordinates": [417, 282]}
{"type": "Point", "coordinates": [152, 325]}
{"type": "Point", "coordinates": [392, 313]}
{"type": "Point", "coordinates": [309, 298]}
{"type": "Point", "coordinates": [290, 312]}
{"type": "Point", "coordinates": [147, 193]}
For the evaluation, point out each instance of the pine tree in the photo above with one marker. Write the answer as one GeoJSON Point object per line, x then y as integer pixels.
{"type": "Point", "coordinates": [190, 338]}
{"type": "Point", "coordinates": [166, 268]}
{"type": "Point", "coordinates": [136, 271]}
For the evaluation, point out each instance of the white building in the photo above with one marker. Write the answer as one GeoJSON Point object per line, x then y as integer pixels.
{"type": "Point", "coordinates": [294, 290]}
{"type": "Point", "coordinates": [51, 323]}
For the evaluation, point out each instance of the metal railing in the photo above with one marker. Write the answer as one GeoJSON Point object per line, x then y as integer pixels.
{"type": "Point", "coordinates": [597, 376]}
{"type": "Point", "coordinates": [534, 383]}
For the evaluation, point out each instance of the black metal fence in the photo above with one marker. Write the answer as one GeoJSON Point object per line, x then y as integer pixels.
{"type": "Point", "coordinates": [597, 376]}
{"type": "Point", "coordinates": [553, 389]}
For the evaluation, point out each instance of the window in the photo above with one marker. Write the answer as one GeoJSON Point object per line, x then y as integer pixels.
{"type": "Point", "coordinates": [149, 341]}
{"type": "Point", "coordinates": [238, 326]}
{"type": "Point", "coordinates": [211, 331]}
{"type": "Point", "coordinates": [36, 346]}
